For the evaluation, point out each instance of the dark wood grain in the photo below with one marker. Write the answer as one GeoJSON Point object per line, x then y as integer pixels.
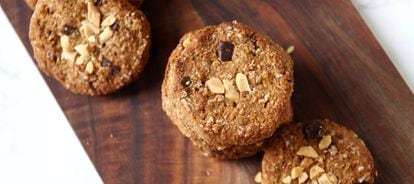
{"type": "Point", "coordinates": [341, 73]}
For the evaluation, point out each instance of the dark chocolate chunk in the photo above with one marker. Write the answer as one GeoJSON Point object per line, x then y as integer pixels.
{"type": "Point", "coordinates": [186, 82]}
{"type": "Point", "coordinates": [67, 29]}
{"type": "Point", "coordinates": [106, 63]}
{"type": "Point", "coordinates": [98, 3]}
{"type": "Point", "coordinates": [115, 26]}
{"type": "Point", "coordinates": [115, 70]}
{"type": "Point", "coordinates": [312, 130]}
{"type": "Point", "coordinates": [225, 51]}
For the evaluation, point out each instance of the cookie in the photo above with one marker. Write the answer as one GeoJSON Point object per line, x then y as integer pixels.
{"type": "Point", "coordinates": [90, 48]}
{"type": "Point", "coordinates": [235, 151]}
{"type": "Point", "coordinates": [320, 151]}
{"type": "Point", "coordinates": [32, 3]}
{"type": "Point", "coordinates": [228, 84]}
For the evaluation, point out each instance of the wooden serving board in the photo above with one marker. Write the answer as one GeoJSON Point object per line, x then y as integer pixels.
{"type": "Point", "coordinates": [341, 73]}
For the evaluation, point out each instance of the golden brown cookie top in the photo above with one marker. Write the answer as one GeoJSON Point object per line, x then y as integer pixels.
{"type": "Point", "coordinates": [91, 47]}
{"type": "Point", "coordinates": [319, 151]}
{"type": "Point", "coordinates": [228, 83]}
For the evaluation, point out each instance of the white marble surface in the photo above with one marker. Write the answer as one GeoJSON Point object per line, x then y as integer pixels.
{"type": "Point", "coordinates": [37, 144]}
{"type": "Point", "coordinates": [392, 22]}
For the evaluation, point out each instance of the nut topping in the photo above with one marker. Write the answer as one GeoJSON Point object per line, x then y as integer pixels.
{"type": "Point", "coordinates": [242, 83]}
{"type": "Point", "coordinates": [94, 16]}
{"type": "Point", "coordinates": [65, 43]}
{"type": "Point", "coordinates": [296, 172]}
{"type": "Point", "coordinates": [325, 142]}
{"type": "Point", "coordinates": [80, 60]}
{"type": "Point", "coordinates": [92, 39]}
{"type": "Point", "coordinates": [303, 177]}
{"type": "Point", "coordinates": [88, 29]}
{"type": "Point", "coordinates": [290, 49]}
{"type": "Point", "coordinates": [215, 85]}
{"type": "Point", "coordinates": [306, 163]}
{"type": "Point", "coordinates": [315, 171]}
{"type": "Point", "coordinates": [258, 177]}
{"type": "Point", "coordinates": [323, 179]}
{"type": "Point", "coordinates": [82, 49]}
{"type": "Point", "coordinates": [89, 68]}
{"type": "Point", "coordinates": [69, 56]}
{"type": "Point", "coordinates": [287, 180]}
{"type": "Point", "coordinates": [108, 21]}
{"type": "Point", "coordinates": [105, 35]}
{"type": "Point", "coordinates": [231, 92]}
{"type": "Point", "coordinates": [307, 151]}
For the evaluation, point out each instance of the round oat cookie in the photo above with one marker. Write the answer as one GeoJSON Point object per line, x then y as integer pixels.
{"type": "Point", "coordinates": [228, 84]}
{"type": "Point", "coordinates": [136, 3]}
{"type": "Point", "coordinates": [234, 151]}
{"type": "Point", "coordinates": [92, 48]}
{"type": "Point", "coordinates": [319, 151]}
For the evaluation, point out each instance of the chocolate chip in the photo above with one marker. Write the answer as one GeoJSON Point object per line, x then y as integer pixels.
{"type": "Point", "coordinates": [67, 29]}
{"type": "Point", "coordinates": [186, 82]}
{"type": "Point", "coordinates": [106, 63]}
{"type": "Point", "coordinates": [115, 26]}
{"type": "Point", "coordinates": [312, 130]}
{"type": "Point", "coordinates": [115, 70]}
{"type": "Point", "coordinates": [225, 51]}
{"type": "Point", "coordinates": [98, 3]}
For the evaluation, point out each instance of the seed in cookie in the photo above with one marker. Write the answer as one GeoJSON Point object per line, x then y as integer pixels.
{"type": "Point", "coordinates": [225, 51]}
